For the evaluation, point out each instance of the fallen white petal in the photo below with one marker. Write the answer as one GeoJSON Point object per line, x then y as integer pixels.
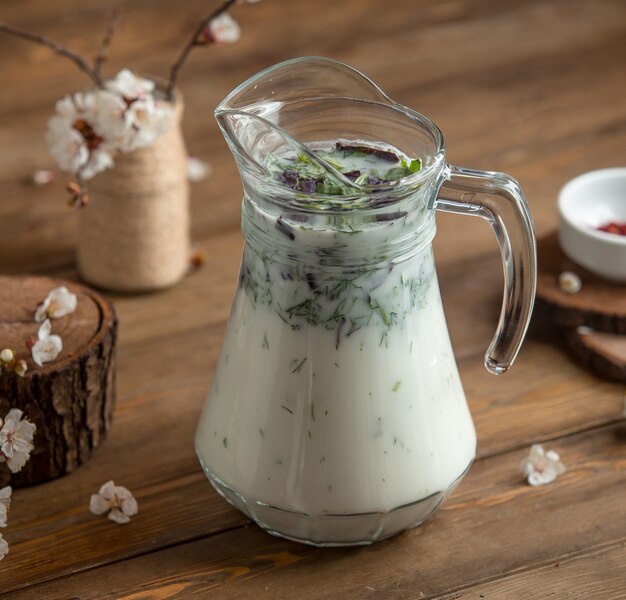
{"type": "Point", "coordinates": [16, 440]}
{"type": "Point", "coordinates": [115, 500]}
{"type": "Point", "coordinates": [122, 493]}
{"type": "Point", "coordinates": [130, 506]}
{"type": "Point", "coordinates": [570, 283]}
{"type": "Point", "coordinates": [4, 547]}
{"type": "Point", "coordinates": [47, 350]}
{"type": "Point", "coordinates": [42, 311]}
{"type": "Point", "coordinates": [98, 505]}
{"type": "Point", "coordinates": [118, 516]}
{"type": "Point", "coordinates": [197, 169]}
{"type": "Point", "coordinates": [44, 330]}
{"type": "Point", "coordinates": [43, 176]}
{"type": "Point", "coordinates": [107, 490]}
{"type": "Point", "coordinates": [5, 503]}
{"type": "Point", "coordinates": [5, 496]}
{"type": "Point", "coordinates": [542, 467]}
{"type": "Point", "coordinates": [58, 303]}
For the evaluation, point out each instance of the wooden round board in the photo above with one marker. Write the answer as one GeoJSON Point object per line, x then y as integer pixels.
{"type": "Point", "coordinates": [71, 398]}
{"type": "Point", "coordinates": [603, 353]}
{"type": "Point", "coordinates": [592, 322]}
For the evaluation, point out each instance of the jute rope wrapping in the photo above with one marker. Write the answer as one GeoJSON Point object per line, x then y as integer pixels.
{"type": "Point", "coordinates": [134, 233]}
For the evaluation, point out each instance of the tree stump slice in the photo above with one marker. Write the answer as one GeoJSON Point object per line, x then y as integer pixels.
{"type": "Point", "coordinates": [70, 399]}
{"type": "Point", "coordinates": [600, 304]}
{"type": "Point", "coordinates": [603, 353]}
{"type": "Point", "coordinates": [592, 323]}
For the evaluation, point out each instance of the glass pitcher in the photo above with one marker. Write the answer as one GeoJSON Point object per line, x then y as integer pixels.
{"type": "Point", "coordinates": [336, 414]}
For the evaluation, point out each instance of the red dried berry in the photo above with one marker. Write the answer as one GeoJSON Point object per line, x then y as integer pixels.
{"type": "Point", "coordinates": [613, 227]}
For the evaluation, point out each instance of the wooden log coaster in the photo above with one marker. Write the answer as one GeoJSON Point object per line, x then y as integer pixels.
{"type": "Point", "coordinates": [600, 304]}
{"type": "Point", "coordinates": [70, 399]}
{"type": "Point", "coordinates": [603, 353]}
{"type": "Point", "coordinates": [590, 323]}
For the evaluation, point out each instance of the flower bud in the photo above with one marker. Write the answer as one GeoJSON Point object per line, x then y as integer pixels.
{"type": "Point", "coordinates": [7, 355]}
{"type": "Point", "coordinates": [20, 367]}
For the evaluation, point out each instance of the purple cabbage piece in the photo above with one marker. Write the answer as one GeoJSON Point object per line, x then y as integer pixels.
{"type": "Point", "coordinates": [312, 282]}
{"type": "Point", "coordinates": [373, 180]}
{"type": "Point", "coordinates": [290, 179]}
{"type": "Point", "coordinates": [293, 181]}
{"type": "Point", "coordinates": [382, 201]}
{"type": "Point", "coordinates": [308, 186]}
{"type": "Point", "coordinates": [384, 154]}
{"type": "Point", "coordinates": [352, 175]}
{"type": "Point", "coordinates": [391, 216]}
{"type": "Point", "coordinates": [284, 228]}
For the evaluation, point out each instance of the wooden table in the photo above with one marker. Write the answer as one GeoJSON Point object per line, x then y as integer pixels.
{"type": "Point", "coordinates": [535, 88]}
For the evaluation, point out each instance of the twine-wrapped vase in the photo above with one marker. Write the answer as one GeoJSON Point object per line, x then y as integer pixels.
{"type": "Point", "coordinates": [134, 234]}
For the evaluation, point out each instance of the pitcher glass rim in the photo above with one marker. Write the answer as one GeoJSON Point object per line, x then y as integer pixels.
{"type": "Point", "coordinates": [399, 188]}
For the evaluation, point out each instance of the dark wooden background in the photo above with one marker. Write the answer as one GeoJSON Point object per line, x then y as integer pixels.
{"type": "Point", "coordinates": [534, 88]}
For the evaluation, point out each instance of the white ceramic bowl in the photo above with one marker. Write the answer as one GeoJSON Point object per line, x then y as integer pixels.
{"type": "Point", "coordinates": [586, 203]}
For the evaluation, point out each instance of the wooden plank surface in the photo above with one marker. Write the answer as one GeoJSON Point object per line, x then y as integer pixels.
{"type": "Point", "coordinates": [531, 87]}
{"type": "Point", "coordinates": [492, 526]}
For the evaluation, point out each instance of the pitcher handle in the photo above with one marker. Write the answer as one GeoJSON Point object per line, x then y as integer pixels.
{"type": "Point", "coordinates": [498, 198]}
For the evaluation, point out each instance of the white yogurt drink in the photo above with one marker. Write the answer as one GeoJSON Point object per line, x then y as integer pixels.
{"type": "Point", "coordinates": [336, 414]}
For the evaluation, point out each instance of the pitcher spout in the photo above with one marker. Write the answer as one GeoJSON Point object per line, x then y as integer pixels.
{"type": "Point", "coordinates": [301, 79]}
{"type": "Point", "coordinates": [290, 108]}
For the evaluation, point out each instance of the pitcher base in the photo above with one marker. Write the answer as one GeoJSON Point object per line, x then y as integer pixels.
{"type": "Point", "coordinates": [334, 530]}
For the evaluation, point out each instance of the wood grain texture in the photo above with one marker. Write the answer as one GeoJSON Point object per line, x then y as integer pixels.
{"type": "Point", "coordinates": [493, 525]}
{"type": "Point", "coordinates": [534, 88]}
{"type": "Point", "coordinates": [576, 578]}
{"type": "Point", "coordinates": [602, 353]}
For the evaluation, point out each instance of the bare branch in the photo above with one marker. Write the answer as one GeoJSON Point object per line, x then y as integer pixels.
{"type": "Point", "coordinates": [56, 48]}
{"type": "Point", "coordinates": [193, 41]}
{"type": "Point", "coordinates": [106, 41]}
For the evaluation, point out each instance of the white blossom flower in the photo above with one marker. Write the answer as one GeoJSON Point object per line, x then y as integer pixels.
{"type": "Point", "coordinates": [16, 440]}
{"type": "Point", "coordinates": [115, 500]}
{"type": "Point", "coordinates": [132, 123]}
{"type": "Point", "coordinates": [5, 503]}
{"type": "Point", "coordinates": [570, 283]}
{"type": "Point", "coordinates": [148, 119]}
{"type": "Point", "coordinates": [58, 303]}
{"type": "Point", "coordinates": [222, 30]}
{"type": "Point", "coordinates": [4, 547]}
{"type": "Point", "coordinates": [542, 467]}
{"type": "Point", "coordinates": [47, 347]}
{"type": "Point", "coordinates": [197, 169]}
{"type": "Point", "coordinates": [7, 355]}
{"type": "Point", "coordinates": [130, 86]}
{"type": "Point", "coordinates": [89, 127]}
{"type": "Point", "coordinates": [73, 138]}
{"type": "Point", "coordinates": [43, 177]}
